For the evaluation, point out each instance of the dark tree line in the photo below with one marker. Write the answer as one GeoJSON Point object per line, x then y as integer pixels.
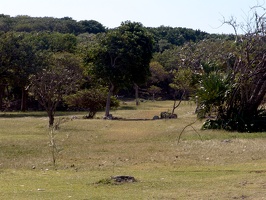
{"type": "Point", "coordinates": [49, 24]}
{"type": "Point", "coordinates": [23, 55]}
{"type": "Point", "coordinates": [165, 37]}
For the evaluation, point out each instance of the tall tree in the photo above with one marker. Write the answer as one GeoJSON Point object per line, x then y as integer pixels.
{"type": "Point", "coordinates": [182, 85]}
{"type": "Point", "coordinates": [138, 46]}
{"type": "Point", "coordinates": [122, 57]}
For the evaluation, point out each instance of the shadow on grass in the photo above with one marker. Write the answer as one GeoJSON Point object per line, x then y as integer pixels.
{"type": "Point", "coordinates": [35, 114]}
{"type": "Point", "coordinates": [22, 114]}
{"type": "Point", "coordinates": [127, 108]}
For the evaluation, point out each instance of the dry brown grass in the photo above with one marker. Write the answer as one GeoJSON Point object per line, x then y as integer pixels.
{"type": "Point", "coordinates": [222, 166]}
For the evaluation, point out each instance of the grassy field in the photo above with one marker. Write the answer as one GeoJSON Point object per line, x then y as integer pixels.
{"type": "Point", "coordinates": [203, 165]}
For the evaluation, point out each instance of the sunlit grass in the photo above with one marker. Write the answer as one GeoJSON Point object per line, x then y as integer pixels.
{"type": "Point", "coordinates": [223, 165]}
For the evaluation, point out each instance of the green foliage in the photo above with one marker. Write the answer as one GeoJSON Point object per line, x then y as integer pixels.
{"type": "Point", "coordinates": [92, 100]}
{"type": "Point", "coordinates": [137, 52]}
{"type": "Point", "coordinates": [212, 124]}
{"type": "Point", "coordinates": [167, 37]}
{"type": "Point", "coordinates": [257, 124]}
{"type": "Point", "coordinates": [158, 73]}
{"type": "Point", "coordinates": [23, 23]}
{"type": "Point", "coordinates": [122, 56]}
{"type": "Point", "coordinates": [183, 79]}
{"type": "Point", "coordinates": [244, 64]}
{"type": "Point", "coordinates": [212, 93]}
{"type": "Point", "coordinates": [55, 42]}
{"type": "Point", "coordinates": [25, 54]}
{"type": "Point", "coordinates": [153, 90]}
{"type": "Point", "coordinates": [92, 26]}
{"type": "Point", "coordinates": [232, 73]}
{"type": "Point", "coordinates": [19, 55]}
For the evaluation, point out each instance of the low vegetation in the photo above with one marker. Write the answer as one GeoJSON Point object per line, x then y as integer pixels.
{"type": "Point", "coordinates": [216, 165]}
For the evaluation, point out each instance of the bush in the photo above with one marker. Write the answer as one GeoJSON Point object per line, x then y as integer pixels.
{"type": "Point", "coordinates": [92, 100]}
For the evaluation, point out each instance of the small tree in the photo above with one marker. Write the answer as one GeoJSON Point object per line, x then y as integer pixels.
{"type": "Point", "coordinates": [92, 100]}
{"type": "Point", "coordinates": [157, 79]}
{"type": "Point", "coordinates": [158, 73]}
{"type": "Point", "coordinates": [51, 84]}
{"type": "Point", "coordinates": [182, 84]}
{"type": "Point", "coordinates": [153, 90]}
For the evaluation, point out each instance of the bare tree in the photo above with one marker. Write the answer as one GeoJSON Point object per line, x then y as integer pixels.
{"type": "Point", "coordinates": [58, 79]}
{"type": "Point", "coordinates": [248, 75]}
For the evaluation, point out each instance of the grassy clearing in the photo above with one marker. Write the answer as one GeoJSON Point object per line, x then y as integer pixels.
{"type": "Point", "coordinates": [223, 165]}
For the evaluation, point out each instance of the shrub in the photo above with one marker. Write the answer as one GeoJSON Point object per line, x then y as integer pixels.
{"type": "Point", "coordinates": [92, 100]}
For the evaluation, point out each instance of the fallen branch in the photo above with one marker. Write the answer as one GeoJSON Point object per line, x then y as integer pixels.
{"type": "Point", "coordinates": [189, 125]}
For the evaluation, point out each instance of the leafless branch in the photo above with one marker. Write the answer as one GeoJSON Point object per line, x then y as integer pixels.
{"type": "Point", "coordinates": [189, 125]}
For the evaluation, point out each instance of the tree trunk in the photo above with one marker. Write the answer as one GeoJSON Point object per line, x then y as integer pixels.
{"type": "Point", "coordinates": [53, 145]}
{"type": "Point", "coordinates": [136, 87]}
{"type": "Point", "coordinates": [258, 93]}
{"type": "Point", "coordinates": [24, 100]}
{"type": "Point", "coordinates": [1, 96]}
{"type": "Point", "coordinates": [175, 101]}
{"type": "Point", "coordinates": [51, 118]}
{"type": "Point", "coordinates": [108, 101]}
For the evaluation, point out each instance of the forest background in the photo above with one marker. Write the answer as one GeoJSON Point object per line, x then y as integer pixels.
{"type": "Point", "coordinates": [186, 64]}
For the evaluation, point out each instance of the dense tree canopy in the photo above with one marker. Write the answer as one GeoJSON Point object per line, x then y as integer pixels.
{"type": "Point", "coordinates": [122, 57]}
{"type": "Point", "coordinates": [23, 23]}
{"type": "Point", "coordinates": [19, 59]}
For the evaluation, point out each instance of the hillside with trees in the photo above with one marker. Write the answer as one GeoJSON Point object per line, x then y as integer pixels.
{"type": "Point", "coordinates": [24, 23]}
